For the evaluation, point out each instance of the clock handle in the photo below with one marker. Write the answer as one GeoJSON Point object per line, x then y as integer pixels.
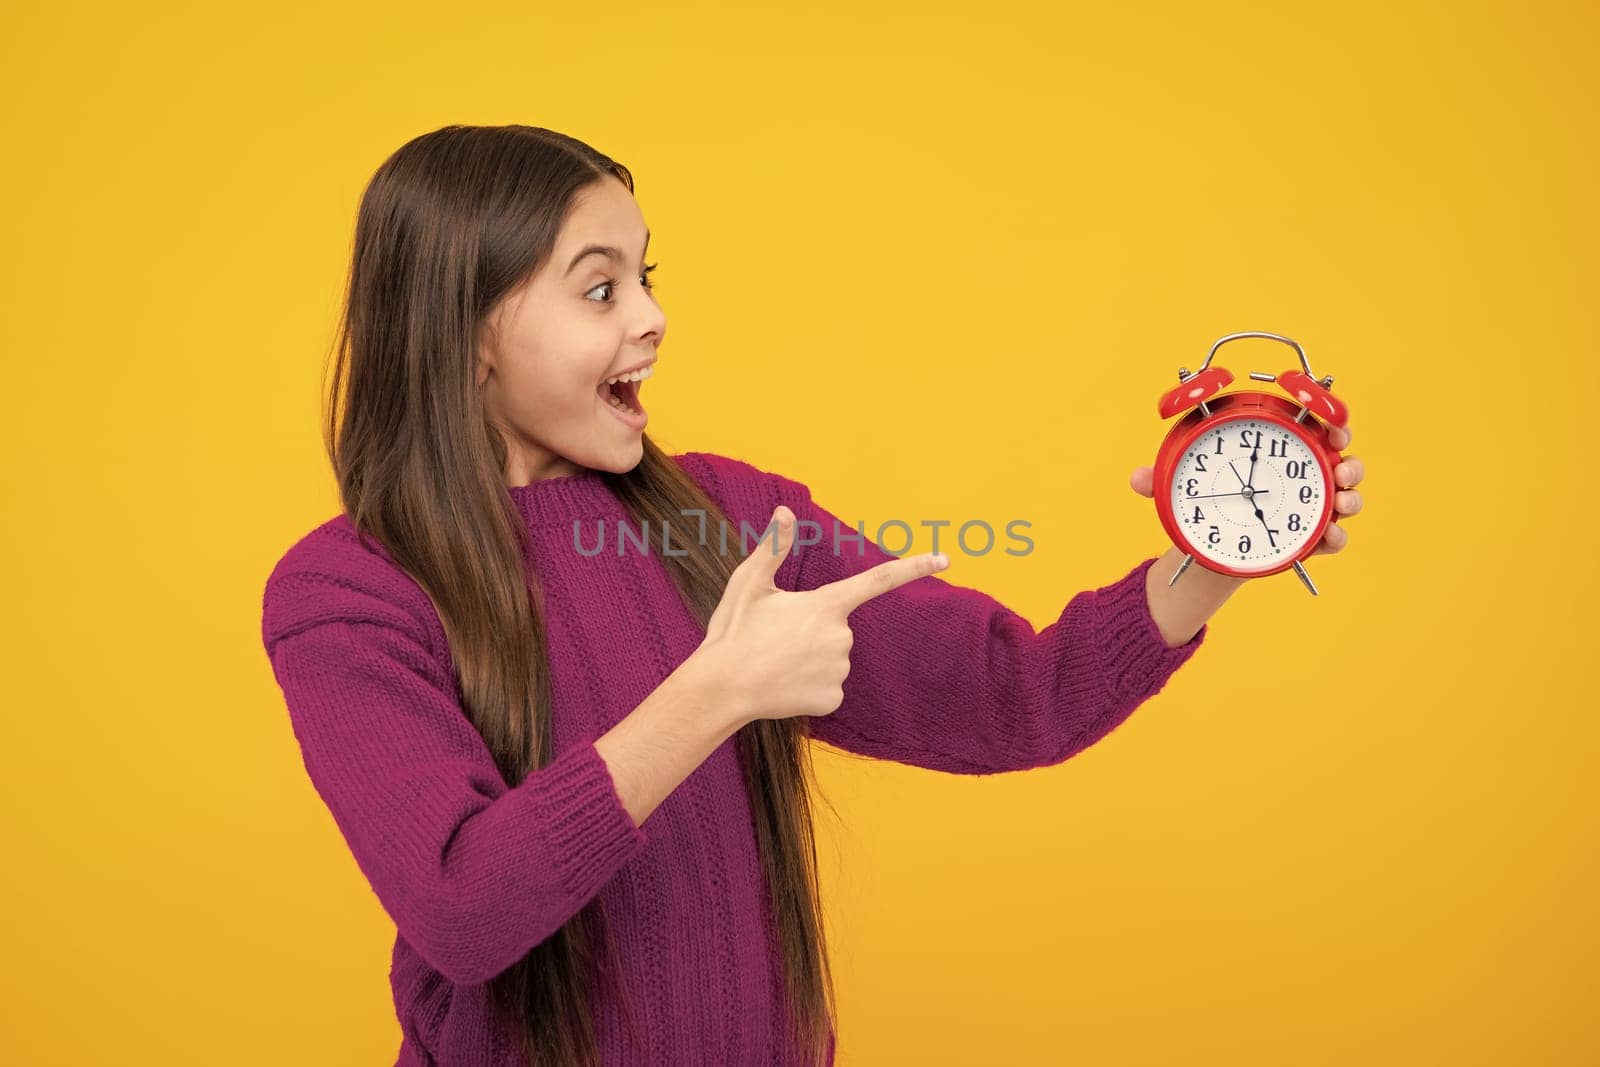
{"type": "Point", "coordinates": [1304, 362]}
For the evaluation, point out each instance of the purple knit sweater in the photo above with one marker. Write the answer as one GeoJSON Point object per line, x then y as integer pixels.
{"type": "Point", "coordinates": [474, 873]}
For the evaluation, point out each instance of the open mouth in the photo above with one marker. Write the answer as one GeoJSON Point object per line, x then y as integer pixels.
{"type": "Point", "coordinates": [621, 392]}
{"type": "Point", "coordinates": [624, 396]}
{"type": "Point", "coordinates": [624, 399]}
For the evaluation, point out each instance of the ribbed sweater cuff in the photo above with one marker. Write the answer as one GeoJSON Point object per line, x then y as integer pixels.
{"type": "Point", "coordinates": [590, 832]}
{"type": "Point", "coordinates": [1133, 655]}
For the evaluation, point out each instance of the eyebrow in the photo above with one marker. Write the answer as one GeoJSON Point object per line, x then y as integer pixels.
{"type": "Point", "coordinates": [608, 251]}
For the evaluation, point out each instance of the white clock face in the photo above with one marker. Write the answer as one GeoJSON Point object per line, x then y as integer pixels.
{"type": "Point", "coordinates": [1248, 494]}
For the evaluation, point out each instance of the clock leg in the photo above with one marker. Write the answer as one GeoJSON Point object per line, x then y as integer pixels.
{"type": "Point", "coordinates": [1304, 577]}
{"type": "Point", "coordinates": [1187, 559]}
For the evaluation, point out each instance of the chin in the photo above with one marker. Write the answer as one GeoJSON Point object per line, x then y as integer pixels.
{"type": "Point", "coordinates": [625, 458]}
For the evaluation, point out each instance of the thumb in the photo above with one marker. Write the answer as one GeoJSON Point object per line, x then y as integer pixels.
{"type": "Point", "coordinates": [1143, 481]}
{"type": "Point", "coordinates": [772, 548]}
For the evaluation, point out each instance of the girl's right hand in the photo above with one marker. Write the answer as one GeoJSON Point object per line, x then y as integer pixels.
{"type": "Point", "coordinates": [779, 654]}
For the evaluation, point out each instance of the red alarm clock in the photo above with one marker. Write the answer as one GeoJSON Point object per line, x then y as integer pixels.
{"type": "Point", "coordinates": [1244, 482]}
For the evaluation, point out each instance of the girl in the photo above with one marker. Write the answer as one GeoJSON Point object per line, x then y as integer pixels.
{"type": "Point", "coordinates": [577, 777]}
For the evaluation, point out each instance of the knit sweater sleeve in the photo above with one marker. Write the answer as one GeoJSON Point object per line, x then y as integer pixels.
{"type": "Point", "coordinates": [474, 873]}
{"type": "Point", "coordinates": [947, 677]}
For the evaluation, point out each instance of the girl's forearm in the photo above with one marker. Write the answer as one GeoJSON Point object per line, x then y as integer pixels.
{"type": "Point", "coordinates": [672, 731]}
{"type": "Point", "coordinates": [1180, 610]}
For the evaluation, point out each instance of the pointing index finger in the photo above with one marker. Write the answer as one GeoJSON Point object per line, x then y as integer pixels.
{"type": "Point", "coordinates": [857, 589]}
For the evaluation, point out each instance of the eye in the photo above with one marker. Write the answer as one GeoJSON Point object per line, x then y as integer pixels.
{"type": "Point", "coordinates": [611, 283]}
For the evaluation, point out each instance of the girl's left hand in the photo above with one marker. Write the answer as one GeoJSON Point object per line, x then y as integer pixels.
{"type": "Point", "coordinates": [1346, 501]}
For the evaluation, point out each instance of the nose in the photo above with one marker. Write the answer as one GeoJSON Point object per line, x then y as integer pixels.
{"type": "Point", "coordinates": [652, 327]}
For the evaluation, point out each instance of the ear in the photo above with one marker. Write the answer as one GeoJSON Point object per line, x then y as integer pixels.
{"type": "Point", "coordinates": [484, 363]}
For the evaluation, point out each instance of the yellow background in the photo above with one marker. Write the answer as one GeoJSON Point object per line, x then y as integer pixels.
{"type": "Point", "coordinates": [934, 261]}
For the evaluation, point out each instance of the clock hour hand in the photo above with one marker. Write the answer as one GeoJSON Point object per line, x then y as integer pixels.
{"type": "Point", "coordinates": [1263, 518]}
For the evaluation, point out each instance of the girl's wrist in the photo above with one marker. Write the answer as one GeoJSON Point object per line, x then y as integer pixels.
{"type": "Point", "coordinates": [1180, 610]}
{"type": "Point", "coordinates": [708, 671]}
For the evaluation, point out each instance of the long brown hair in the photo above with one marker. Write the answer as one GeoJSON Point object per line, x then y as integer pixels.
{"type": "Point", "coordinates": [450, 223]}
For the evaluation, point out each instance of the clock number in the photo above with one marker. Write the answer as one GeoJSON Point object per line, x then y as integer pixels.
{"type": "Point", "coordinates": [1297, 468]}
{"type": "Point", "coordinates": [1244, 439]}
{"type": "Point", "coordinates": [1197, 516]}
{"type": "Point", "coordinates": [1278, 449]}
{"type": "Point", "coordinates": [1189, 485]}
{"type": "Point", "coordinates": [1219, 444]}
{"type": "Point", "coordinates": [1294, 522]}
{"type": "Point", "coordinates": [1244, 544]}
{"type": "Point", "coordinates": [1200, 461]}
{"type": "Point", "coordinates": [1216, 535]}
{"type": "Point", "coordinates": [1305, 494]}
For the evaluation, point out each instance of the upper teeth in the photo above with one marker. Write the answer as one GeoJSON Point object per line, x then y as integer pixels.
{"type": "Point", "coordinates": [637, 376]}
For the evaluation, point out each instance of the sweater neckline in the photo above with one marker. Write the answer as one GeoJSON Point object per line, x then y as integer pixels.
{"type": "Point", "coordinates": [586, 494]}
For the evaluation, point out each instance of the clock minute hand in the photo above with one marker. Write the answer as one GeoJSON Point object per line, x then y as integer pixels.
{"type": "Point", "coordinates": [1253, 492]}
